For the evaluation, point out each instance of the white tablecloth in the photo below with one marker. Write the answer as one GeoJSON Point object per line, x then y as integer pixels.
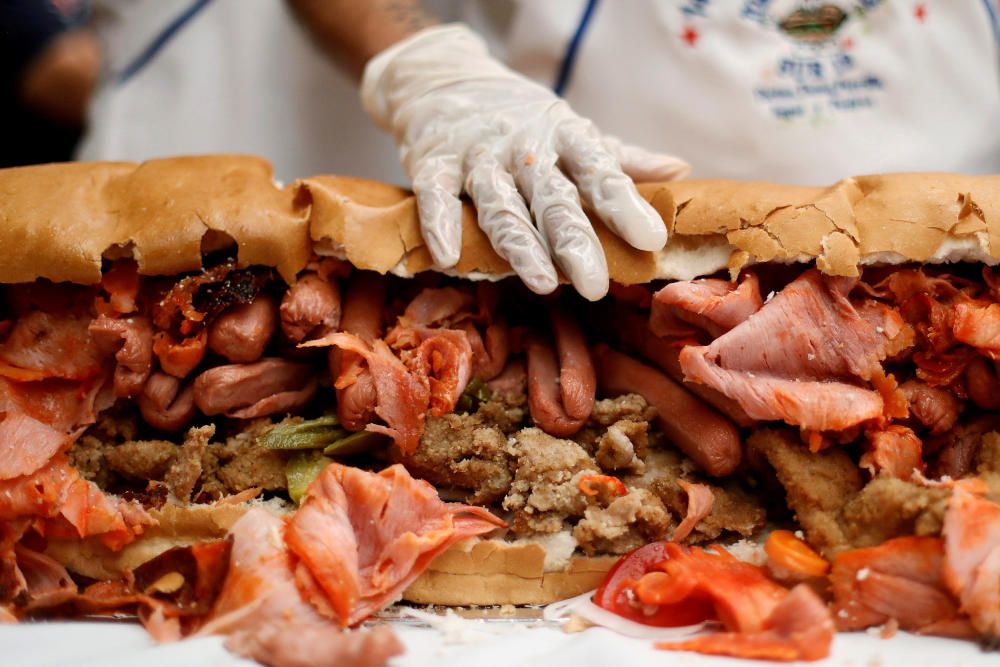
{"type": "Point", "coordinates": [474, 644]}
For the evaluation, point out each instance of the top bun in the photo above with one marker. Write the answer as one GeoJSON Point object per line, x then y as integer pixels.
{"type": "Point", "coordinates": [63, 219]}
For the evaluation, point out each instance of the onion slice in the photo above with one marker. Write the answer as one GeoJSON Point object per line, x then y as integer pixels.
{"type": "Point", "coordinates": [583, 606]}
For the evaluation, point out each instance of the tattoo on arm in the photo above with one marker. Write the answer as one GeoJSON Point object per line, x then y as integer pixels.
{"type": "Point", "coordinates": [407, 14]}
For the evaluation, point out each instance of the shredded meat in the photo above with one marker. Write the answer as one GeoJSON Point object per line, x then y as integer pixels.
{"type": "Point", "coordinates": [623, 446]}
{"type": "Point", "coordinates": [185, 471]}
{"type": "Point", "coordinates": [461, 452]}
{"type": "Point", "coordinates": [506, 413]}
{"type": "Point", "coordinates": [888, 507]}
{"type": "Point", "coordinates": [835, 511]}
{"type": "Point", "coordinates": [626, 523]}
{"type": "Point", "coordinates": [142, 459]}
{"type": "Point", "coordinates": [735, 511]}
{"type": "Point", "coordinates": [607, 411]}
{"type": "Point", "coordinates": [197, 469]}
{"type": "Point", "coordinates": [816, 484]}
{"type": "Point", "coordinates": [545, 492]}
{"type": "Point", "coordinates": [627, 406]}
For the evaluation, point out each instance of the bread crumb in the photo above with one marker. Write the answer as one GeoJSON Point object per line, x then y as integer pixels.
{"type": "Point", "coordinates": [575, 624]}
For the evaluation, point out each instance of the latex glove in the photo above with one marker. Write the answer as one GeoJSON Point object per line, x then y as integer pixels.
{"type": "Point", "coordinates": [464, 121]}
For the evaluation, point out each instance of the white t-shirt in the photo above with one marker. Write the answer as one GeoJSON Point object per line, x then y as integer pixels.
{"type": "Point", "coordinates": [786, 90]}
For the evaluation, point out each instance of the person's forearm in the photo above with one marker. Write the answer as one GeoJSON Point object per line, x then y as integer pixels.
{"type": "Point", "coordinates": [353, 32]}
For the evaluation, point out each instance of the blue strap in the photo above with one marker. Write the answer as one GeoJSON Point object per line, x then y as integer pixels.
{"type": "Point", "coordinates": [566, 67]}
{"type": "Point", "coordinates": [161, 40]}
{"type": "Point", "coordinates": [991, 10]}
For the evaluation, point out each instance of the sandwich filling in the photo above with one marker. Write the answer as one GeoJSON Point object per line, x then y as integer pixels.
{"type": "Point", "coordinates": [860, 409]}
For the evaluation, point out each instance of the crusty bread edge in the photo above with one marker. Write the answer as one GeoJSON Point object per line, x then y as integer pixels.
{"type": "Point", "coordinates": [66, 217]}
{"type": "Point", "coordinates": [473, 572]}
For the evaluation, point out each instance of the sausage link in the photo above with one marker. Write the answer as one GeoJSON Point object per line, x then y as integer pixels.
{"type": "Point", "coordinates": [544, 400]}
{"type": "Point", "coordinates": [164, 404]}
{"type": "Point", "coordinates": [364, 301]}
{"type": "Point", "coordinates": [242, 333]}
{"type": "Point", "coordinates": [577, 379]}
{"type": "Point", "coordinates": [983, 384]}
{"type": "Point", "coordinates": [707, 437]}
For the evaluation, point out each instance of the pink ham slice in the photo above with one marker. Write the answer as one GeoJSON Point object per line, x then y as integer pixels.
{"type": "Point", "coordinates": [362, 538]}
{"type": "Point", "coordinates": [402, 397]}
{"type": "Point", "coordinates": [800, 359]}
{"type": "Point", "coordinates": [70, 505]}
{"type": "Point", "coordinates": [262, 611]}
{"type": "Point", "coordinates": [700, 502]}
{"type": "Point", "coordinates": [712, 305]}
{"type": "Point", "coordinates": [26, 445]}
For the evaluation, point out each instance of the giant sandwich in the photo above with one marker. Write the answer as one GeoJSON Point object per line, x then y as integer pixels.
{"type": "Point", "coordinates": [183, 340]}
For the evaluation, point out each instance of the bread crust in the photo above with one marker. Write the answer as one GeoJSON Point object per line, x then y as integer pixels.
{"type": "Point", "coordinates": [473, 572]}
{"type": "Point", "coordinates": [65, 217]}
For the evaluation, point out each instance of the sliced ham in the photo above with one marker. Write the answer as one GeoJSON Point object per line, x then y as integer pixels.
{"type": "Point", "coordinates": [895, 451]}
{"type": "Point", "coordinates": [710, 305]}
{"type": "Point", "coordinates": [978, 325]}
{"type": "Point", "coordinates": [259, 588]}
{"type": "Point", "coordinates": [26, 445]}
{"type": "Point", "coordinates": [121, 283]}
{"type": "Point", "coordinates": [362, 538]}
{"type": "Point", "coordinates": [444, 357]}
{"type": "Point", "coordinates": [799, 359]}
{"type": "Point", "coordinates": [65, 405]}
{"type": "Point", "coordinates": [51, 345]}
{"type": "Point", "coordinates": [265, 616]}
{"type": "Point", "coordinates": [799, 627]}
{"type": "Point", "coordinates": [455, 308]}
{"type": "Point", "coordinates": [357, 398]}
{"type": "Point", "coordinates": [130, 340]}
{"type": "Point", "coordinates": [899, 580]}
{"type": "Point", "coordinates": [972, 557]}
{"type": "Point", "coordinates": [71, 506]}
{"type": "Point", "coordinates": [402, 397]}
{"type": "Point", "coordinates": [46, 582]}
{"type": "Point", "coordinates": [700, 500]}
{"type": "Point", "coordinates": [310, 308]}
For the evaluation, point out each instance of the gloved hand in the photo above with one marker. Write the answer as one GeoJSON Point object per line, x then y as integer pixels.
{"type": "Point", "coordinates": [465, 121]}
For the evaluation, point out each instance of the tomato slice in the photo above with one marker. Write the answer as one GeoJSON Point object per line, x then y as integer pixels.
{"type": "Point", "coordinates": [617, 592]}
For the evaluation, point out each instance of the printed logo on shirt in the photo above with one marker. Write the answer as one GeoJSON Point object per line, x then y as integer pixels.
{"type": "Point", "coordinates": [816, 76]}
{"type": "Point", "coordinates": [819, 75]}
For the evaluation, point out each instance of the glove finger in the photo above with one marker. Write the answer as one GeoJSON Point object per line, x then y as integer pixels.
{"type": "Point", "coordinates": [555, 205]}
{"type": "Point", "coordinates": [437, 184]}
{"type": "Point", "coordinates": [606, 188]}
{"type": "Point", "coordinates": [504, 217]}
{"type": "Point", "coordinates": [644, 166]}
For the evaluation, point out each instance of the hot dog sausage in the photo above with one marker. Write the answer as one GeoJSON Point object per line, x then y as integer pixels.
{"type": "Point", "coordinates": [242, 333]}
{"type": "Point", "coordinates": [364, 301]}
{"type": "Point", "coordinates": [711, 440]}
{"type": "Point", "coordinates": [164, 405]}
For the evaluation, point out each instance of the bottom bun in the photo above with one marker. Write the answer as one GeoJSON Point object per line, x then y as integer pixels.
{"type": "Point", "coordinates": [478, 572]}
{"type": "Point", "coordinates": [473, 572]}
